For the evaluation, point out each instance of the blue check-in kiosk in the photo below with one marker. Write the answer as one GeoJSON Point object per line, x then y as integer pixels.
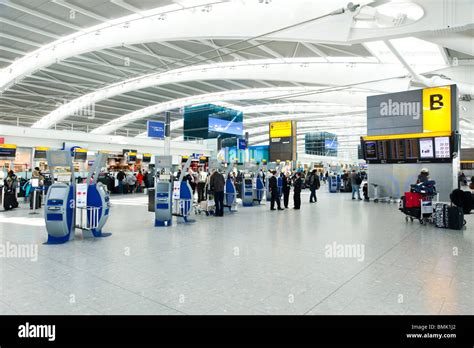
{"type": "Point", "coordinates": [97, 207]}
{"type": "Point", "coordinates": [163, 191]}
{"type": "Point", "coordinates": [59, 208]}
{"type": "Point", "coordinates": [69, 205]}
{"type": "Point", "coordinates": [247, 190]}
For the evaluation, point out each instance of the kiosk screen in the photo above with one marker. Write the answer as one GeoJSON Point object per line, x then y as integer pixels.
{"type": "Point", "coordinates": [426, 148]}
{"type": "Point", "coordinates": [56, 193]}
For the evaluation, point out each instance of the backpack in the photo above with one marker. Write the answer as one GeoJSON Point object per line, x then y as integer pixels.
{"type": "Point", "coordinates": [462, 199]}
{"type": "Point", "coordinates": [358, 179]}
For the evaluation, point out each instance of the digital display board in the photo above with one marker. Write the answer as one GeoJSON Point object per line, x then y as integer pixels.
{"type": "Point", "coordinates": [442, 147]}
{"type": "Point", "coordinates": [330, 144]}
{"type": "Point", "coordinates": [224, 126]}
{"type": "Point", "coordinates": [80, 155]}
{"type": "Point", "coordinates": [146, 158]}
{"type": "Point", "coordinates": [371, 149]}
{"type": "Point", "coordinates": [40, 152]}
{"type": "Point", "coordinates": [7, 150]}
{"type": "Point", "coordinates": [413, 150]}
{"type": "Point", "coordinates": [426, 148]}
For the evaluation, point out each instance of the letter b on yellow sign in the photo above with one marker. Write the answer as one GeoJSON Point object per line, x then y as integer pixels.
{"type": "Point", "coordinates": [437, 109]}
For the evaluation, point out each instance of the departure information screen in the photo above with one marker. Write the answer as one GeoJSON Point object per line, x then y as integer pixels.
{"type": "Point", "coordinates": [426, 148]}
{"type": "Point", "coordinates": [437, 149]}
{"type": "Point", "coordinates": [442, 147]}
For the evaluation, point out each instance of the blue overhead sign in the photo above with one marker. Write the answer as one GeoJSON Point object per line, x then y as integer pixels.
{"type": "Point", "coordinates": [155, 129]}
{"type": "Point", "coordinates": [241, 144]}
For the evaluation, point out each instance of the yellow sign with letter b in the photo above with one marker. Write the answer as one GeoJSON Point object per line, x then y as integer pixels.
{"type": "Point", "coordinates": [437, 109]}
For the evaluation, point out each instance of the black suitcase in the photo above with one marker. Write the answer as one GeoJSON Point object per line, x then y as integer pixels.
{"type": "Point", "coordinates": [10, 201]}
{"type": "Point", "coordinates": [467, 202]}
{"type": "Point", "coordinates": [455, 218]}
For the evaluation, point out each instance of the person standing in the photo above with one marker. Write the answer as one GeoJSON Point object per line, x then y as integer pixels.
{"type": "Point", "coordinates": [356, 180]}
{"type": "Point", "coordinates": [9, 186]}
{"type": "Point", "coordinates": [286, 189]}
{"type": "Point", "coordinates": [217, 184]}
{"type": "Point", "coordinates": [36, 175]}
{"type": "Point", "coordinates": [314, 185]}
{"type": "Point", "coordinates": [275, 196]}
{"type": "Point", "coordinates": [139, 181]}
{"type": "Point", "coordinates": [297, 186]}
{"type": "Point", "coordinates": [120, 178]}
{"type": "Point", "coordinates": [201, 184]}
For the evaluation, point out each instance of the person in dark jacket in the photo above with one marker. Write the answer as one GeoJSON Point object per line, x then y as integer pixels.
{"type": "Point", "coordinates": [121, 177]}
{"type": "Point", "coordinates": [297, 186]}
{"type": "Point", "coordinates": [314, 185]}
{"type": "Point", "coordinates": [286, 189]}
{"type": "Point", "coordinates": [217, 184]}
{"type": "Point", "coordinates": [273, 186]}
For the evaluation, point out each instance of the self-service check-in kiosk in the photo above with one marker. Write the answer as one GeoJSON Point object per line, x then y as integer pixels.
{"type": "Point", "coordinates": [69, 205]}
{"type": "Point", "coordinates": [93, 215]}
{"type": "Point", "coordinates": [230, 193]}
{"type": "Point", "coordinates": [59, 209]}
{"type": "Point", "coordinates": [164, 191]}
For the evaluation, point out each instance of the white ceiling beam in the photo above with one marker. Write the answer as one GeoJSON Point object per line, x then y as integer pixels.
{"type": "Point", "coordinates": [266, 49]}
{"type": "Point", "coordinates": [127, 6]}
{"type": "Point", "coordinates": [316, 50]}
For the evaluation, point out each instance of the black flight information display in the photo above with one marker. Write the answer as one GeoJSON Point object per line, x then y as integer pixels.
{"type": "Point", "coordinates": [424, 150]}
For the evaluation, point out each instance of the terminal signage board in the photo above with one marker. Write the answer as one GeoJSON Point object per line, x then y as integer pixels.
{"type": "Point", "coordinates": [412, 112]}
{"type": "Point", "coordinates": [155, 129]}
{"type": "Point", "coordinates": [280, 129]}
{"type": "Point", "coordinates": [7, 151]}
{"type": "Point", "coordinates": [40, 152]}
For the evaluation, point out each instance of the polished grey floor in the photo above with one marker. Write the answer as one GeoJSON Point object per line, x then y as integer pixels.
{"type": "Point", "coordinates": [254, 261]}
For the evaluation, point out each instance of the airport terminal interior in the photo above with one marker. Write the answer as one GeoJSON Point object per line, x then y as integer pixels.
{"type": "Point", "coordinates": [240, 157]}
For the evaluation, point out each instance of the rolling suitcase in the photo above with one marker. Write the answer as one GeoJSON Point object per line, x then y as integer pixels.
{"type": "Point", "coordinates": [10, 201]}
{"type": "Point", "coordinates": [455, 218]}
{"type": "Point", "coordinates": [441, 215]}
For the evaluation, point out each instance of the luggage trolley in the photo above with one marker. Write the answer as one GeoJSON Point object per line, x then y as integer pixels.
{"type": "Point", "coordinates": [419, 205]}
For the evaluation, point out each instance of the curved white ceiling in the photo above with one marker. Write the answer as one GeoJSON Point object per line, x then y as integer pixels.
{"type": "Point", "coordinates": [172, 23]}
{"type": "Point", "coordinates": [302, 70]}
{"type": "Point", "coordinates": [188, 25]}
